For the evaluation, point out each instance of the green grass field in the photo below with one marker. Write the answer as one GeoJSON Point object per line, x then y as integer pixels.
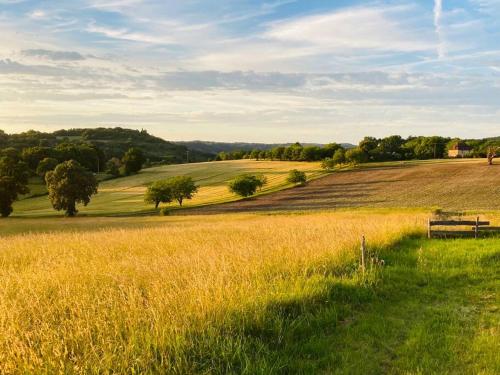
{"type": "Point", "coordinates": [260, 292]}
{"type": "Point", "coordinates": [125, 195]}
{"type": "Point", "coordinates": [246, 293]}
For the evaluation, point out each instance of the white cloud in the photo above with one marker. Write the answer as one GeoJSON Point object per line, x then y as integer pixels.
{"type": "Point", "coordinates": [38, 14]}
{"type": "Point", "coordinates": [376, 28]}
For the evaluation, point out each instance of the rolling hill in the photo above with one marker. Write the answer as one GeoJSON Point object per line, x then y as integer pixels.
{"type": "Point", "coordinates": [125, 195]}
{"type": "Point", "coordinates": [450, 184]}
{"type": "Point", "coordinates": [112, 142]}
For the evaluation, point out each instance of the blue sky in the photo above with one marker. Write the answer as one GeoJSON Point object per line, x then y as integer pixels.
{"type": "Point", "coordinates": [241, 70]}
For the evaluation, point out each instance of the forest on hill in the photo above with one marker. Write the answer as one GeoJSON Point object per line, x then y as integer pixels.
{"type": "Point", "coordinates": [108, 143]}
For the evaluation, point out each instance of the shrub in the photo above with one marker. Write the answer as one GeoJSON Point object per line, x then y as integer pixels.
{"type": "Point", "coordinates": [246, 185]}
{"type": "Point", "coordinates": [296, 177]}
{"type": "Point", "coordinates": [328, 164]}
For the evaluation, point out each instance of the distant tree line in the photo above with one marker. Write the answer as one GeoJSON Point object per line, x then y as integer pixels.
{"type": "Point", "coordinates": [369, 149]}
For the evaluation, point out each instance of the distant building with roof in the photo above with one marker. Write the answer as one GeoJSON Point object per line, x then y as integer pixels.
{"type": "Point", "coordinates": [459, 150]}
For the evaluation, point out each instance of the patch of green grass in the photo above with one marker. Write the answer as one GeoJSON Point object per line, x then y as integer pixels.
{"type": "Point", "coordinates": [434, 309]}
{"type": "Point", "coordinates": [125, 195]}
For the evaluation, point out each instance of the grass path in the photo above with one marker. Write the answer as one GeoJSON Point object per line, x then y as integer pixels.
{"type": "Point", "coordinates": [435, 311]}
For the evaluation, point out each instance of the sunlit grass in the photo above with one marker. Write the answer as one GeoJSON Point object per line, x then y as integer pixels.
{"type": "Point", "coordinates": [180, 297]}
{"type": "Point", "coordinates": [126, 195]}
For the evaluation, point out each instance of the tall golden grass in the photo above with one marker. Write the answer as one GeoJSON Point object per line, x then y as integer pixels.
{"type": "Point", "coordinates": [136, 300]}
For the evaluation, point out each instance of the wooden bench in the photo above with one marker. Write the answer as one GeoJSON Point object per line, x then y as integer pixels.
{"type": "Point", "coordinates": [476, 227]}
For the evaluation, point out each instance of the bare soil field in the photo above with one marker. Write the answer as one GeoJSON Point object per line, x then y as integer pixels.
{"type": "Point", "coordinates": [461, 185]}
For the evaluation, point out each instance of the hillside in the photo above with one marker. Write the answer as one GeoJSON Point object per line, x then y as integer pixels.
{"type": "Point", "coordinates": [113, 142]}
{"type": "Point", "coordinates": [453, 185]}
{"type": "Point", "coordinates": [125, 195]}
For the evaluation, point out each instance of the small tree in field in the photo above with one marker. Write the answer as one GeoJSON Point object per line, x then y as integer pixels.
{"type": "Point", "coordinates": [296, 177]}
{"type": "Point", "coordinates": [491, 153]}
{"type": "Point", "coordinates": [68, 184]}
{"type": "Point", "coordinates": [245, 185]}
{"type": "Point", "coordinates": [159, 192]}
{"type": "Point", "coordinates": [46, 165]}
{"type": "Point", "coordinates": [261, 181]}
{"type": "Point", "coordinates": [181, 187]}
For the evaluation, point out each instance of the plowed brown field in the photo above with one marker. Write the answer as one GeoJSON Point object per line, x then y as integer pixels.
{"type": "Point", "coordinates": [461, 185]}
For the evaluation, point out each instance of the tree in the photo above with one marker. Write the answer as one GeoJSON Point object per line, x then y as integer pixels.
{"type": "Point", "coordinates": [132, 161]}
{"type": "Point", "coordinates": [491, 154]}
{"type": "Point", "coordinates": [68, 184]}
{"type": "Point", "coordinates": [181, 187]}
{"type": "Point", "coordinates": [46, 165]}
{"type": "Point", "coordinates": [277, 152]}
{"type": "Point", "coordinates": [296, 177]}
{"type": "Point", "coordinates": [255, 154]}
{"type": "Point", "coordinates": [13, 182]}
{"type": "Point", "coordinates": [113, 166]}
{"type": "Point", "coordinates": [261, 181]}
{"type": "Point", "coordinates": [34, 155]}
{"type": "Point", "coordinates": [310, 153]}
{"type": "Point", "coordinates": [245, 185]}
{"type": "Point", "coordinates": [356, 156]}
{"type": "Point", "coordinates": [339, 157]}
{"type": "Point", "coordinates": [329, 150]}
{"type": "Point", "coordinates": [328, 164]}
{"type": "Point", "coordinates": [159, 192]}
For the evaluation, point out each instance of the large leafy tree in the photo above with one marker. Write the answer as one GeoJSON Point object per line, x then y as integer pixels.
{"type": "Point", "coordinates": [69, 184]}
{"type": "Point", "coordinates": [13, 181]}
{"type": "Point", "coordinates": [181, 187]}
{"type": "Point", "coordinates": [159, 192]}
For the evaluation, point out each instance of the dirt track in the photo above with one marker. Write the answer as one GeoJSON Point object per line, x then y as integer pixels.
{"type": "Point", "coordinates": [452, 186]}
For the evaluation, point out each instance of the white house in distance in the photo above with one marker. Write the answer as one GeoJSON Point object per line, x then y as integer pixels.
{"type": "Point", "coordinates": [459, 150]}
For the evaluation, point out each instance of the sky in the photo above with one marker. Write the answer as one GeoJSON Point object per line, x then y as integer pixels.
{"type": "Point", "coordinates": [252, 70]}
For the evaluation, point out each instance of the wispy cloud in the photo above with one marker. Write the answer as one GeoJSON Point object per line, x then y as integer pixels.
{"type": "Point", "coordinates": [277, 70]}
{"type": "Point", "coordinates": [54, 55]}
{"type": "Point", "coordinates": [438, 12]}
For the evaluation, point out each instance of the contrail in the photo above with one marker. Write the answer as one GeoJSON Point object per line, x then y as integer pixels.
{"type": "Point", "coordinates": [438, 11]}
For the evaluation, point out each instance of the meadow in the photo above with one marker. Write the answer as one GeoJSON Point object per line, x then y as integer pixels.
{"type": "Point", "coordinates": [271, 291]}
{"type": "Point", "coordinates": [125, 196]}
{"type": "Point", "coordinates": [244, 293]}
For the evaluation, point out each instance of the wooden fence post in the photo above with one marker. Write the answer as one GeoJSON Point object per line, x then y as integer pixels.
{"type": "Point", "coordinates": [476, 228]}
{"type": "Point", "coordinates": [429, 235]}
{"type": "Point", "coordinates": [363, 253]}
